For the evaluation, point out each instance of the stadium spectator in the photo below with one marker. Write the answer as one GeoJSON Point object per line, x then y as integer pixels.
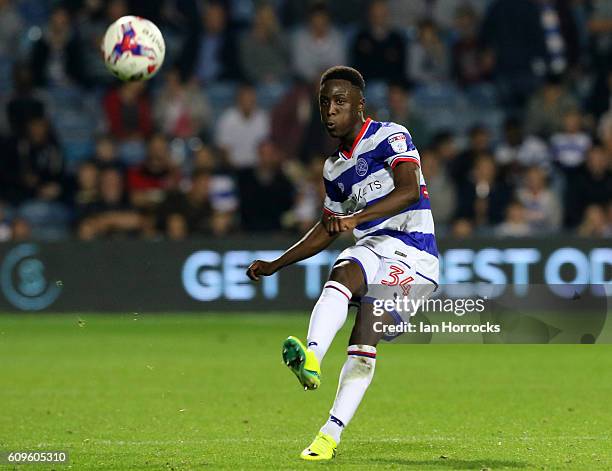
{"type": "Point", "coordinates": [516, 151]}
{"type": "Point", "coordinates": [241, 128]}
{"type": "Point", "coordinates": [193, 213]}
{"type": "Point", "coordinates": [210, 53]}
{"type": "Point", "coordinates": [317, 46]}
{"type": "Point", "coordinates": [462, 228]}
{"type": "Point", "coordinates": [440, 187]}
{"type": "Point", "coordinates": [379, 51]}
{"type": "Point", "coordinates": [400, 110]}
{"type": "Point", "coordinates": [128, 112]}
{"type": "Point", "coordinates": [112, 214]}
{"type": "Point", "coordinates": [290, 117]}
{"type": "Point", "coordinates": [595, 223]}
{"type": "Point", "coordinates": [204, 159]}
{"type": "Point", "coordinates": [570, 146]}
{"type": "Point", "coordinates": [541, 205]}
{"type": "Point", "coordinates": [479, 144]}
{"type": "Point", "coordinates": [547, 107]}
{"type": "Point", "coordinates": [468, 60]}
{"type": "Point", "coordinates": [444, 12]}
{"type": "Point", "coordinates": [223, 192]}
{"type": "Point", "coordinates": [259, 186]}
{"type": "Point", "coordinates": [86, 190]}
{"type": "Point", "coordinates": [296, 123]}
{"type": "Point", "coordinates": [42, 161]}
{"type": "Point", "coordinates": [148, 182]}
{"type": "Point", "coordinates": [264, 52]}
{"type": "Point", "coordinates": [444, 145]}
{"type": "Point", "coordinates": [428, 59]}
{"type": "Point", "coordinates": [515, 224]}
{"type": "Point", "coordinates": [57, 57]}
{"type": "Point", "coordinates": [558, 22]}
{"type": "Point", "coordinates": [25, 102]}
{"type": "Point", "coordinates": [604, 132]}
{"type": "Point", "coordinates": [181, 109]}
{"type": "Point", "coordinates": [405, 14]}
{"type": "Point", "coordinates": [20, 230]}
{"type": "Point", "coordinates": [484, 198]}
{"type": "Point", "coordinates": [310, 196]}
{"type": "Point", "coordinates": [599, 25]}
{"type": "Point", "coordinates": [105, 154]}
{"type": "Point", "coordinates": [512, 36]}
{"type": "Point", "coordinates": [11, 29]}
{"type": "Point", "coordinates": [592, 185]}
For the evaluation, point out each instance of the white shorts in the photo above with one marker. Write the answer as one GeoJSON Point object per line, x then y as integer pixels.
{"type": "Point", "coordinates": [389, 278]}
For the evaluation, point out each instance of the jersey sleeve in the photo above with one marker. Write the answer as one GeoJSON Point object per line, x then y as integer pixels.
{"type": "Point", "coordinates": [398, 147]}
{"type": "Point", "coordinates": [333, 199]}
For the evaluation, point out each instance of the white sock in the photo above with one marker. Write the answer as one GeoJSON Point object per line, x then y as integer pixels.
{"type": "Point", "coordinates": [328, 316]}
{"type": "Point", "coordinates": [355, 378]}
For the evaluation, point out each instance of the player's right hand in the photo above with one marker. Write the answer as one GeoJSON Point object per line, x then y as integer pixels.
{"type": "Point", "coordinates": [260, 268]}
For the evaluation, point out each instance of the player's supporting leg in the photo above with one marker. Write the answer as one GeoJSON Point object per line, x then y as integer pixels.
{"type": "Point", "coordinates": [357, 372]}
{"type": "Point", "coordinates": [355, 377]}
{"type": "Point", "coordinates": [330, 311]}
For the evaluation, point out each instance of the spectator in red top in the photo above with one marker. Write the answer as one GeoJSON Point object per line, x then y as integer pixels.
{"type": "Point", "coordinates": [128, 111]}
{"type": "Point", "coordinates": [148, 182]}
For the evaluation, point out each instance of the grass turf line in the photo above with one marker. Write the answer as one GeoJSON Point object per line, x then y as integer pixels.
{"type": "Point", "coordinates": [187, 392]}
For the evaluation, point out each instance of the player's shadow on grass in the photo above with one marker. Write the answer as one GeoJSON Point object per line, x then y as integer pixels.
{"type": "Point", "coordinates": [452, 463]}
{"type": "Point", "coordinates": [396, 454]}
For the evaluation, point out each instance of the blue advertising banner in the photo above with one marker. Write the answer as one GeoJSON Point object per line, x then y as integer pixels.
{"type": "Point", "coordinates": [209, 275]}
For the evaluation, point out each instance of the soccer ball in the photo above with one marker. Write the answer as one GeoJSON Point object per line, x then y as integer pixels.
{"type": "Point", "coordinates": [133, 48]}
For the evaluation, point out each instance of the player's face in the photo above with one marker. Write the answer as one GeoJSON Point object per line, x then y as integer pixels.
{"type": "Point", "coordinates": [341, 106]}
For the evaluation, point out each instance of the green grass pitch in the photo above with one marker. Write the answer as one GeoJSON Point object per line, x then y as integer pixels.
{"type": "Point", "coordinates": [179, 392]}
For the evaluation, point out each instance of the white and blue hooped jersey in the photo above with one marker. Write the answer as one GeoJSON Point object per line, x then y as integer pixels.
{"type": "Point", "coordinates": [362, 176]}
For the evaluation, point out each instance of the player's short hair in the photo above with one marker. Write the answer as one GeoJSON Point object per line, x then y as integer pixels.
{"type": "Point", "coordinates": [342, 72]}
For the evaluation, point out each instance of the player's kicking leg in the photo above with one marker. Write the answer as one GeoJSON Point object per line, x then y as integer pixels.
{"type": "Point", "coordinates": [328, 316]}
{"type": "Point", "coordinates": [355, 378]}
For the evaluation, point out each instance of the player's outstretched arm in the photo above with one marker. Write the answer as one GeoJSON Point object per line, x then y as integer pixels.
{"type": "Point", "coordinates": [315, 240]}
{"type": "Point", "coordinates": [407, 191]}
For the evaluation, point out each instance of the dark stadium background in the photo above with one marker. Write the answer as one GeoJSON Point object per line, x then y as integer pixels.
{"type": "Point", "coordinates": [507, 101]}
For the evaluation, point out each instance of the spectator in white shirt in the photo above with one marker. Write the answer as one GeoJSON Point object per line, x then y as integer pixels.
{"type": "Point", "coordinates": [569, 147]}
{"type": "Point", "coordinates": [542, 207]}
{"type": "Point", "coordinates": [518, 150]}
{"type": "Point", "coordinates": [242, 128]}
{"type": "Point", "coordinates": [318, 46]}
{"type": "Point", "coordinates": [515, 224]}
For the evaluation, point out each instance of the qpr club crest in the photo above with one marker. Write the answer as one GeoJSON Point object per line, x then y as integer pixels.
{"type": "Point", "coordinates": [361, 167]}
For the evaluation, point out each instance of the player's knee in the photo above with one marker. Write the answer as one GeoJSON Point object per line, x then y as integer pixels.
{"type": "Point", "coordinates": [348, 274]}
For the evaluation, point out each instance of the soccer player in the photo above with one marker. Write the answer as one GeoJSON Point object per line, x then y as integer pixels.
{"type": "Point", "coordinates": [375, 188]}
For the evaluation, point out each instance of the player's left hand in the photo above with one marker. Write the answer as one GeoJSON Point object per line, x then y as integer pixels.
{"type": "Point", "coordinates": [337, 224]}
{"type": "Point", "coordinates": [260, 268]}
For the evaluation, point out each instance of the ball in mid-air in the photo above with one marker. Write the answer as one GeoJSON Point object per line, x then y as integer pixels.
{"type": "Point", "coordinates": [133, 48]}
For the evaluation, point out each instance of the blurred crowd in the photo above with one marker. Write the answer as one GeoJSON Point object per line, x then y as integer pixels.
{"type": "Point", "coordinates": [508, 101]}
